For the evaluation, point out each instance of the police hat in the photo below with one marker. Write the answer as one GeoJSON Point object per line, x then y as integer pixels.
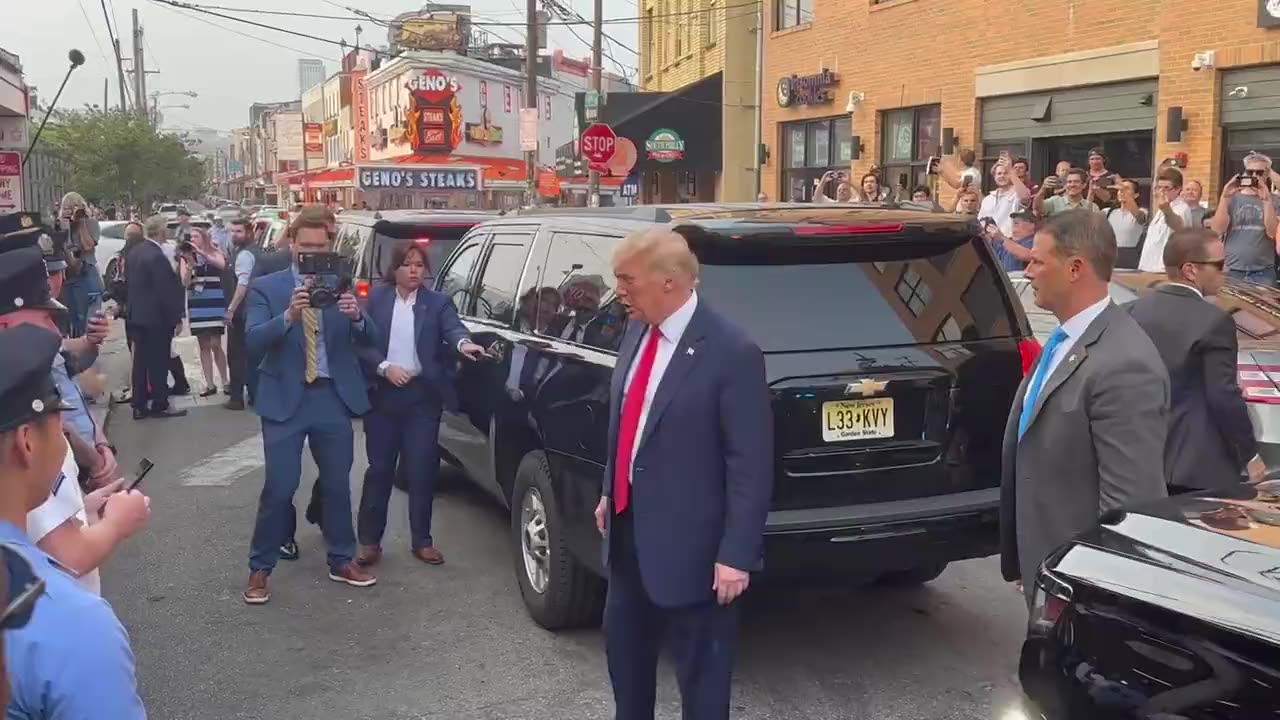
{"type": "Point", "coordinates": [19, 223]}
{"type": "Point", "coordinates": [24, 282]}
{"type": "Point", "coordinates": [27, 390]}
{"type": "Point", "coordinates": [30, 233]}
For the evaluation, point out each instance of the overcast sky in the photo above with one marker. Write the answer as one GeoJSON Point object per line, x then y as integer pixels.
{"type": "Point", "coordinates": [219, 60]}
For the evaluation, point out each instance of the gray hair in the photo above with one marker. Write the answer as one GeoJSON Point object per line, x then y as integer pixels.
{"type": "Point", "coordinates": [667, 252]}
{"type": "Point", "coordinates": [1255, 156]}
{"type": "Point", "coordinates": [156, 228]}
{"type": "Point", "coordinates": [1086, 234]}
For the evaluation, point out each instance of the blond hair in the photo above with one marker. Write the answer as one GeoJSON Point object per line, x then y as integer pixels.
{"type": "Point", "coordinates": [665, 251]}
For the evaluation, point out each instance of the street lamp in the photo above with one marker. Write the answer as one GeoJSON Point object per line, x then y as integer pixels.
{"type": "Point", "coordinates": [155, 97]}
{"type": "Point", "coordinates": [77, 59]}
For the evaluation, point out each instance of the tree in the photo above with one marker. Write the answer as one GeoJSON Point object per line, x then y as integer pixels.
{"type": "Point", "coordinates": [119, 157]}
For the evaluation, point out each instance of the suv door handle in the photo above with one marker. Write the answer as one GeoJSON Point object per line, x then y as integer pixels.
{"type": "Point", "coordinates": [495, 350]}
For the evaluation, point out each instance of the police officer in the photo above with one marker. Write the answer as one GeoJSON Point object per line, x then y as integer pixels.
{"type": "Point", "coordinates": [71, 660]}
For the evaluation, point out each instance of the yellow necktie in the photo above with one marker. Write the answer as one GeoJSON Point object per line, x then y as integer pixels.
{"type": "Point", "coordinates": [311, 329]}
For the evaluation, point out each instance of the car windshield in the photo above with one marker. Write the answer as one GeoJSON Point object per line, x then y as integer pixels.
{"type": "Point", "coordinates": [866, 294]}
{"type": "Point", "coordinates": [439, 241]}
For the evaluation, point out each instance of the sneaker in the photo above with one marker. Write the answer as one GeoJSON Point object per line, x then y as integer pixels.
{"type": "Point", "coordinates": [289, 550]}
{"type": "Point", "coordinates": [256, 592]}
{"type": "Point", "coordinates": [352, 575]}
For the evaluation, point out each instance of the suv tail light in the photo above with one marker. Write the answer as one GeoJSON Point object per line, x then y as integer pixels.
{"type": "Point", "coordinates": [362, 289]}
{"type": "Point", "coordinates": [1258, 383]}
{"type": "Point", "coordinates": [1029, 349]}
{"type": "Point", "coordinates": [865, 229]}
{"type": "Point", "coordinates": [1049, 602]}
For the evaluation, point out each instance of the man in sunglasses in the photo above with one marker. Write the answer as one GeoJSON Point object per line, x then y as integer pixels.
{"type": "Point", "coordinates": [1247, 217]}
{"type": "Point", "coordinates": [71, 660]}
{"type": "Point", "coordinates": [1210, 442]}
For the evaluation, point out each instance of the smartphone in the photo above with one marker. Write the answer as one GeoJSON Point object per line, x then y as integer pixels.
{"type": "Point", "coordinates": [143, 468]}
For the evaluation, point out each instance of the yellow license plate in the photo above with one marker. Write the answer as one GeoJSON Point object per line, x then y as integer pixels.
{"type": "Point", "coordinates": [857, 419]}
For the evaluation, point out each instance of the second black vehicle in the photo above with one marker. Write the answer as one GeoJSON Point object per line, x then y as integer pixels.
{"type": "Point", "coordinates": [893, 347]}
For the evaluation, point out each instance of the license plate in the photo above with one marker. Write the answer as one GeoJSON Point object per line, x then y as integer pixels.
{"type": "Point", "coordinates": [857, 419]}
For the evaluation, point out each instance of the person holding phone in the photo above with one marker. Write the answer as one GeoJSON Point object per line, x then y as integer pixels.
{"type": "Point", "coordinates": [419, 340]}
{"type": "Point", "coordinates": [1170, 213]}
{"type": "Point", "coordinates": [1247, 217]}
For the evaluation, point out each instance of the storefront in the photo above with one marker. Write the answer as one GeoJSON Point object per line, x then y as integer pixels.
{"type": "Point", "coordinates": [448, 182]}
{"type": "Point", "coordinates": [1250, 115]}
{"type": "Point", "coordinates": [811, 147]}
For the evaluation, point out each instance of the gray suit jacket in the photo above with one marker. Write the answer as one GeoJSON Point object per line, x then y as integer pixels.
{"type": "Point", "coordinates": [1095, 443]}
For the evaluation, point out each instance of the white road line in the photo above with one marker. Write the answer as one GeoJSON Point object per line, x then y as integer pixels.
{"type": "Point", "coordinates": [224, 468]}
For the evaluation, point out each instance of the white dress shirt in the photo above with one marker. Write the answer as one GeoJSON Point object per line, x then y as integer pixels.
{"type": "Point", "coordinates": [1158, 232]}
{"type": "Point", "coordinates": [672, 330]}
{"type": "Point", "coordinates": [402, 346]}
{"type": "Point", "coordinates": [999, 205]}
{"type": "Point", "coordinates": [1074, 328]}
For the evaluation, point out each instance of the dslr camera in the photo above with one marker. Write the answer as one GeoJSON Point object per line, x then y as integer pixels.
{"type": "Point", "coordinates": [185, 245]}
{"type": "Point", "coordinates": [331, 277]}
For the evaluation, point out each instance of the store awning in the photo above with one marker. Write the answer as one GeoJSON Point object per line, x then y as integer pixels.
{"type": "Point", "coordinates": [334, 177]}
{"type": "Point", "coordinates": [497, 170]}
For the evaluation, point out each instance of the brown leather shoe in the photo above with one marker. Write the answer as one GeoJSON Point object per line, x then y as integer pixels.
{"type": "Point", "coordinates": [369, 555]}
{"type": "Point", "coordinates": [351, 574]}
{"type": "Point", "coordinates": [429, 555]}
{"type": "Point", "coordinates": [256, 592]}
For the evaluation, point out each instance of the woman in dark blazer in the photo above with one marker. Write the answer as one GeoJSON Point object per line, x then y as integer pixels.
{"type": "Point", "coordinates": [420, 338]}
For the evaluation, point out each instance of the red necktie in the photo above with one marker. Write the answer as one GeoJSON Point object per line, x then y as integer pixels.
{"type": "Point", "coordinates": [632, 409]}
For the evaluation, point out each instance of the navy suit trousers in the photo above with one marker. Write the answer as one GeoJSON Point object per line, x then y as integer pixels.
{"type": "Point", "coordinates": [404, 433]}
{"type": "Point", "coordinates": [702, 639]}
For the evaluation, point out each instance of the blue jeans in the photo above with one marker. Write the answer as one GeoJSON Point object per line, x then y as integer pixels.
{"type": "Point", "coordinates": [323, 422]}
{"type": "Point", "coordinates": [410, 437]}
{"type": "Point", "coordinates": [1261, 277]}
{"type": "Point", "coordinates": [82, 294]}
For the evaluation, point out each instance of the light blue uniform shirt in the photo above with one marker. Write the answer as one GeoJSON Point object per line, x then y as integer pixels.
{"type": "Point", "coordinates": [322, 357]}
{"type": "Point", "coordinates": [72, 661]}
{"type": "Point", "coordinates": [79, 417]}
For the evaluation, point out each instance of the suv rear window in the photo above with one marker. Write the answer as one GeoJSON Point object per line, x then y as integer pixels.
{"type": "Point", "coordinates": [864, 294]}
{"type": "Point", "coordinates": [439, 242]}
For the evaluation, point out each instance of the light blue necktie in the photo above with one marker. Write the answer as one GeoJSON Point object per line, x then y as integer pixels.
{"type": "Point", "coordinates": [1037, 379]}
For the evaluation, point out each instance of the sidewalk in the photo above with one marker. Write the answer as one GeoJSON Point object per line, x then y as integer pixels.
{"type": "Point", "coordinates": [113, 360]}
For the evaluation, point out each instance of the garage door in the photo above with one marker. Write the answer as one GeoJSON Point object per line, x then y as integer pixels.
{"type": "Point", "coordinates": [1251, 96]}
{"type": "Point", "coordinates": [1089, 110]}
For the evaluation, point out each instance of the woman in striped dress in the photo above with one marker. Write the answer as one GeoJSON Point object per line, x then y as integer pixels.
{"type": "Point", "coordinates": [207, 305]}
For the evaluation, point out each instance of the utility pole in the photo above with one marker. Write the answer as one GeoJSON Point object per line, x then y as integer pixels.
{"type": "Point", "coordinates": [139, 70]}
{"type": "Point", "coordinates": [124, 103]}
{"type": "Point", "coordinates": [597, 41]}
{"type": "Point", "coordinates": [106, 84]}
{"type": "Point", "coordinates": [531, 88]}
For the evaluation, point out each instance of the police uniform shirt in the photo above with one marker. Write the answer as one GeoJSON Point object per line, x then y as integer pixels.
{"type": "Point", "coordinates": [64, 503]}
{"type": "Point", "coordinates": [72, 661]}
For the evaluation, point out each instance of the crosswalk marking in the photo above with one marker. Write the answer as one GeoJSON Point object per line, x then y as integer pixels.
{"type": "Point", "coordinates": [224, 468]}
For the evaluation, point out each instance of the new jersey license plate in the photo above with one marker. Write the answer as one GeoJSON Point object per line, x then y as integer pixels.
{"type": "Point", "coordinates": [844, 420]}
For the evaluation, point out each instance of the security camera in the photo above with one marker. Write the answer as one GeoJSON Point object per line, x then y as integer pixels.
{"type": "Point", "coordinates": [1202, 60]}
{"type": "Point", "coordinates": [1197, 63]}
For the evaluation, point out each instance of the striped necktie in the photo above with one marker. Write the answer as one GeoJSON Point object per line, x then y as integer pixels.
{"type": "Point", "coordinates": [310, 331]}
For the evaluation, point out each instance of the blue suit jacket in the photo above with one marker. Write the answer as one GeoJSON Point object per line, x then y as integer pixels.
{"type": "Point", "coordinates": [437, 330]}
{"type": "Point", "coordinates": [703, 475]}
{"type": "Point", "coordinates": [284, 358]}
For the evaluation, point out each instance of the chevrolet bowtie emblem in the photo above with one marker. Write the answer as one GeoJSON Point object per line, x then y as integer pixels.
{"type": "Point", "coordinates": [865, 387]}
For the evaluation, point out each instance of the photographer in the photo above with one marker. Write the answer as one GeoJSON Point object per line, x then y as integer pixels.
{"type": "Point", "coordinates": [1247, 217]}
{"type": "Point", "coordinates": [844, 191]}
{"type": "Point", "coordinates": [82, 291]}
{"type": "Point", "coordinates": [305, 324]}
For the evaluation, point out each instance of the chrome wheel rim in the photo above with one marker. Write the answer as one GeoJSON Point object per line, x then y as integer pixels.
{"type": "Point", "coordinates": [534, 544]}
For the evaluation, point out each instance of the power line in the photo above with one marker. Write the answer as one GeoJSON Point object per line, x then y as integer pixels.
{"type": "Point", "coordinates": [92, 32]}
{"type": "Point", "coordinates": [172, 7]}
{"type": "Point", "coordinates": [197, 8]}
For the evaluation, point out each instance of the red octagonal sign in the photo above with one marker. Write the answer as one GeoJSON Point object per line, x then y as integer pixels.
{"type": "Point", "coordinates": [598, 143]}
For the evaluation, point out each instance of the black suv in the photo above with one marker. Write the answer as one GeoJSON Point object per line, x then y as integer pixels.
{"type": "Point", "coordinates": [893, 345]}
{"type": "Point", "coordinates": [368, 238]}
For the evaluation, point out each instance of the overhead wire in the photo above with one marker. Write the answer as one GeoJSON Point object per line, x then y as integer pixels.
{"type": "Point", "coordinates": [92, 32]}
{"type": "Point", "coordinates": [176, 7]}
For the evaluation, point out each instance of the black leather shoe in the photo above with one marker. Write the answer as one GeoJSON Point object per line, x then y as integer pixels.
{"type": "Point", "coordinates": [180, 390]}
{"type": "Point", "coordinates": [140, 414]}
{"type": "Point", "coordinates": [234, 404]}
{"type": "Point", "coordinates": [167, 413]}
{"type": "Point", "coordinates": [289, 550]}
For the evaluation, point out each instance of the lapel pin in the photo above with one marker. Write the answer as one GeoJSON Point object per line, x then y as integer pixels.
{"type": "Point", "coordinates": [688, 351]}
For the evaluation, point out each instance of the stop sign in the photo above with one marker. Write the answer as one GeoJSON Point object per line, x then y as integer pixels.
{"type": "Point", "coordinates": [598, 144]}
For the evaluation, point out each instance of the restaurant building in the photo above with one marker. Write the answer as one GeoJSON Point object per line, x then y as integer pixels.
{"type": "Point", "coordinates": [887, 83]}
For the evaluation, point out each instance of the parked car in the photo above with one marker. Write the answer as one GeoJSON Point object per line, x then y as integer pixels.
{"type": "Point", "coordinates": [1256, 311]}
{"type": "Point", "coordinates": [367, 239]}
{"type": "Point", "coordinates": [110, 243]}
{"type": "Point", "coordinates": [855, 308]}
{"type": "Point", "coordinates": [1168, 610]}
{"type": "Point", "coordinates": [172, 210]}
{"type": "Point", "coordinates": [265, 231]}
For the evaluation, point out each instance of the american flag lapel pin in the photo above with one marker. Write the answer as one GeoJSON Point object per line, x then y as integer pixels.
{"type": "Point", "coordinates": [688, 351]}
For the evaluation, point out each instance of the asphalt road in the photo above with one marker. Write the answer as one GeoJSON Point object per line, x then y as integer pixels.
{"type": "Point", "coordinates": [454, 642]}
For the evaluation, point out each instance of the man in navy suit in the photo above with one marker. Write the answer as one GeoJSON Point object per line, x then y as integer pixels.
{"type": "Point", "coordinates": [688, 483]}
{"type": "Point", "coordinates": [156, 304]}
{"type": "Point", "coordinates": [419, 339]}
{"type": "Point", "coordinates": [310, 387]}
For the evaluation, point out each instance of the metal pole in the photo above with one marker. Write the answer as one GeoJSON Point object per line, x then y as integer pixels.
{"type": "Point", "coordinates": [531, 89]}
{"type": "Point", "coordinates": [124, 104]}
{"type": "Point", "coordinates": [139, 89]}
{"type": "Point", "coordinates": [77, 59]}
{"type": "Point", "coordinates": [597, 31]}
{"type": "Point", "coordinates": [755, 150]}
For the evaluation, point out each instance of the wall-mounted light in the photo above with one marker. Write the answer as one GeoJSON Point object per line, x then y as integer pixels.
{"type": "Point", "coordinates": [1239, 92]}
{"type": "Point", "coordinates": [1175, 124]}
{"type": "Point", "coordinates": [762, 152]}
{"type": "Point", "coordinates": [855, 99]}
{"type": "Point", "coordinates": [949, 141]}
{"type": "Point", "coordinates": [855, 147]}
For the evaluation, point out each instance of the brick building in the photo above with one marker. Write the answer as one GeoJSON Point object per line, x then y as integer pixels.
{"type": "Point", "coordinates": [1040, 78]}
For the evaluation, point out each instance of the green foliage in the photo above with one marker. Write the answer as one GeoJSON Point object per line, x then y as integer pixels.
{"type": "Point", "coordinates": [120, 157]}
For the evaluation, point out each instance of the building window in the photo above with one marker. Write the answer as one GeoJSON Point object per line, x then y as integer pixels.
{"type": "Point", "coordinates": [711, 25]}
{"type": "Point", "coordinates": [908, 137]}
{"type": "Point", "coordinates": [790, 13]}
{"type": "Point", "coordinates": [811, 148]}
{"type": "Point", "coordinates": [913, 290]}
{"type": "Point", "coordinates": [682, 30]}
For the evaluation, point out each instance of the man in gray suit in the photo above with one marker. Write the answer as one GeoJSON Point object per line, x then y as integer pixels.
{"type": "Point", "coordinates": [1087, 429]}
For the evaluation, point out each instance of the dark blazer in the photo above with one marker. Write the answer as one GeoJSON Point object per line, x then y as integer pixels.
{"type": "Point", "coordinates": [282, 380]}
{"type": "Point", "coordinates": [437, 332]}
{"type": "Point", "coordinates": [271, 262]}
{"type": "Point", "coordinates": [1210, 435]}
{"type": "Point", "coordinates": [157, 298]}
{"type": "Point", "coordinates": [703, 475]}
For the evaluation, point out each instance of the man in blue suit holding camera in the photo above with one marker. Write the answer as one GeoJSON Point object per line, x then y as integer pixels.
{"type": "Point", "coordinates": [305, 327]}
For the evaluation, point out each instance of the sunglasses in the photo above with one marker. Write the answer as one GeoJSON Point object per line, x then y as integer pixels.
{"type": "Point", "coordinates": [1255, 173]}
{"type": "Point", "coordinates": [1216, 264]}
{"type": "Point", "coordinates": [20, 577]}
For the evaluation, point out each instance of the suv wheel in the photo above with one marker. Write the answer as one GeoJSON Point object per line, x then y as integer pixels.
{"type": "Point", "coordinates": [557, 590]}
{"type": "Point", "coordinates": [914, 576]}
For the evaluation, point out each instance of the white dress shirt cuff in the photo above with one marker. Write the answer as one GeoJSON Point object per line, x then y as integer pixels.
{"type": "Point", "coordinates": [463, 341]}
{"type": "Point", "coordinates": [382, 367]}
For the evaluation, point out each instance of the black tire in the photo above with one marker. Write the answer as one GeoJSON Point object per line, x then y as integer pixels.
{"type": "Point", "coordinates": [914, 576]}
{"type": "Point", "coordinates": [574, 597]}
